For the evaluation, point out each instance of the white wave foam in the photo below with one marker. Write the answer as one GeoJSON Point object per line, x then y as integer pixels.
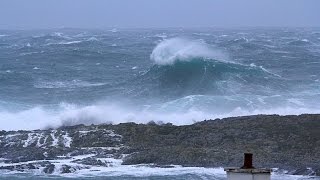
{"type": "Point", "coordinates": [66, 84]}
{"type": "Point", "coordinates": [69, 114]}
{"type": "Point", "coordinates": [169, 51]}
{"type": "Point", "coordinates": [147, 171]}
{"type": "Point", "coordinates": [92, 39]}
{"type": "Point", "coordinates": [33, 118]}
{"type": "Point", "coordinates": [29, 53]}
{"type": "Point", "coordinates": [64, 43]}
{"type": "Point", "coordinates": [163, 35]}
{"type": "Point", "coordinates": [70, 42]}
{"type": "Point", "coordinates": [201, 34]}
{"type": "Point", "coordinates": [115, 169]}
{"type": "Point", "coordinates": [114, 30]}
{"type": "Point", "coordinates": [61, 35]}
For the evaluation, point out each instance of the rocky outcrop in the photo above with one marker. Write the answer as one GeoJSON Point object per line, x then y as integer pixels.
{"type": "Point", "coordinates": [287, 142]}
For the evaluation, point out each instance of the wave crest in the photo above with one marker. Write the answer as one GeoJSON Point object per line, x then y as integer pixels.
{"type": "Point", "coordinates": [172, 50]}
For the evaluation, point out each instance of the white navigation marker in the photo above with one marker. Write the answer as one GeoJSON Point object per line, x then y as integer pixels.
{"type": "Point", "coordinates": [247, 171]}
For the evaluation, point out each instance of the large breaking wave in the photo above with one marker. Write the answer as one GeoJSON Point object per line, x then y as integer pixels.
{"type": "Point", "coordinates": [172, 50]}
{"type": "Point", "coordinates": [185, 67]}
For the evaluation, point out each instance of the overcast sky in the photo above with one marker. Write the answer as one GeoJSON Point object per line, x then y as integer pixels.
{"type": "Point", "coordinates": [26, 14]}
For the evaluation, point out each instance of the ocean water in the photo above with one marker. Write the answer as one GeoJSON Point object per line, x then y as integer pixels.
{"type": "Point", "coordinates": [50, 78]}
{"type": "Point", "coordinates": [70, 76]}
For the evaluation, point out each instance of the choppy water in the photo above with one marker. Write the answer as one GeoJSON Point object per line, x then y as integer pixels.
{"type": "Point", "coordinates": [51, 77]}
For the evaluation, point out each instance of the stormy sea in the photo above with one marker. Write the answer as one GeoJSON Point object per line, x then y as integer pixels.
{"type": "Point", "coordinates": [65, 77]}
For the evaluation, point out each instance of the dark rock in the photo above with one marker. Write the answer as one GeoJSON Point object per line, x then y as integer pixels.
{"type": "Point", "coordinates": [49, 168]}
{"type": "Point", "coordinates": [67, 169]}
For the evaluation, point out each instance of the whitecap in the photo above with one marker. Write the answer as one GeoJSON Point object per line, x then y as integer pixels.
{"type": "Point", "coordinates": [202, 34]}
{"type": "Point", "coordinates": [241, 39]}
{"type": "Point", "coordinates": [92, 39]}
{"type": "Point", "coordinates": [163, 36]}
{"type": "Point", "coordinates": [66, 84]}
{"type": "Point", "coordinates": [70, 42]}
{"type": "Point", "coordinates": [58, 34]}
{"type": "Point", "coordinates": [252, 65]}
{"type": "Point", "coordinates": [61, 35]}
{"type": "Point", "coordinates": [296, 101]}
{"type": "Point", "coordinates": [64, 43]}
{"type": "Point", "coordinates": [36, 68]}
{"type": "Point", "coordinates": [28, 53]}
{"type": "Point", "coordinates": [114, 30]}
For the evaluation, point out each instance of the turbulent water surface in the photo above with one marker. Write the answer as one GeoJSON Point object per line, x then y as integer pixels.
{"type": "Point", "coordinates": [69, 76]}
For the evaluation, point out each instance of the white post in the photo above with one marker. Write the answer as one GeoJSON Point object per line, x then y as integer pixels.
{"type": "Point", "coordinates": [247, 171]}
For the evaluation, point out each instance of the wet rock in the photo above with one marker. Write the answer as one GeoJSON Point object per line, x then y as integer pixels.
{"type": "Point", "coordinates": [91, 161]}
{"type": "Point", "coordinates": [67, 169]}
{"type": "Point", "coordinates": [49, 168]}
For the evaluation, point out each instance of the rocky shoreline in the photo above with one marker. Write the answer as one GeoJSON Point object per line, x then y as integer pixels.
{"type": "Point", "coordinates": [290, 143]}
